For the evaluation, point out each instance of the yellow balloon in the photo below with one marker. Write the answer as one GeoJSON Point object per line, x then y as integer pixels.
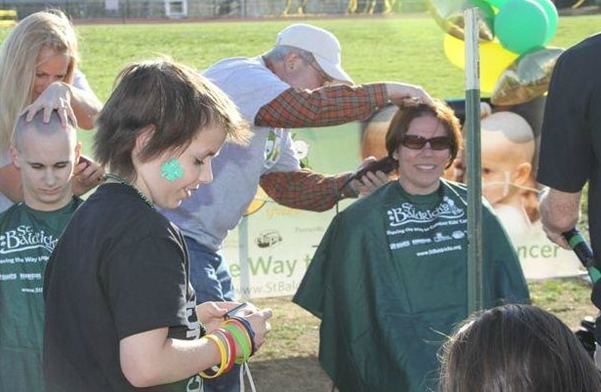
{"type": "Point", "coordinates": [454, 50]}
{"type": "Point", "coordinates": [493, 57]}
{"type": "Point", "coordinates": [494, 60]}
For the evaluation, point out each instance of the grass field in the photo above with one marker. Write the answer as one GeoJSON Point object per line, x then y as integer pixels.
{"type": "Point", "coordinates": [403, 48]}
{"type": "Point", "coordinates": [398, 48]}
{"type": "Point", "coordinates": [407, 48]}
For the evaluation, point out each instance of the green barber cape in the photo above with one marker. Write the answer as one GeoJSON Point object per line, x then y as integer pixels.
{"type": "Point", "coordinates": [27, 238]}
{"type": "Point", "coordinates": [389, 282]}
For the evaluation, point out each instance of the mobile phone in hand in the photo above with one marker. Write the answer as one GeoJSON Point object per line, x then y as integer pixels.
{"type": "Point", "coordinates": [83, 159]}
{"type": "Point", "coordinates": [233, 312]}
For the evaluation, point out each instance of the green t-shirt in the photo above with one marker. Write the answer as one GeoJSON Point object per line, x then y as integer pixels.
{"type": "Point", "coordinates": [27, 238]}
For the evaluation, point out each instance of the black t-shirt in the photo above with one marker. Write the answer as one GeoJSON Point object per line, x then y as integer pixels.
{"type": "Point", "coordinates": [570, 153]}
{"type": "Point", "coordinates": [119, 269]}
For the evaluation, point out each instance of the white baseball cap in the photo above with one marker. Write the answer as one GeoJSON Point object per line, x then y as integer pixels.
{"type": "Point", "coordinates": [321, 43]}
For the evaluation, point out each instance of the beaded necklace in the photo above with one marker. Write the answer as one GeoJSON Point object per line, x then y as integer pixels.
{"type": "Point", "coordinates": [123, 181]}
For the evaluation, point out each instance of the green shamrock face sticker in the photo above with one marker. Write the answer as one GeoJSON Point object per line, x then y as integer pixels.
{"type": "Point", "coordinates": [171, 170]}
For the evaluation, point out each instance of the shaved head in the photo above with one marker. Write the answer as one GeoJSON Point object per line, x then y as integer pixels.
{"type": "Point", "coordinates": [509, 132]}
{"type": "Point", "coordinates": [508, 148]}
{"type": "Point", "coordinates": [46, 154]}
{"type": "Point", "coordinates": [37, 128]}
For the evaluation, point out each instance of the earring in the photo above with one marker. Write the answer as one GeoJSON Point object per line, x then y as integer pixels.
{"type": "Point", "coordinates": [171, 170]}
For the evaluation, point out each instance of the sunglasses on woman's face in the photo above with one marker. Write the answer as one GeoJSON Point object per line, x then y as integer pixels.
{"type": "Point", "coordinates": [415, 142]}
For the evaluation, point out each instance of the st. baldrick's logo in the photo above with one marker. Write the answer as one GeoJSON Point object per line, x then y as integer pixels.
{"type": "Point", "coordinates": [25, 238]}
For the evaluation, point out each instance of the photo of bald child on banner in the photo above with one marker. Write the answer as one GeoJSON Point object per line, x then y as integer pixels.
{"type": "Point", "coordinates": [509, 137]}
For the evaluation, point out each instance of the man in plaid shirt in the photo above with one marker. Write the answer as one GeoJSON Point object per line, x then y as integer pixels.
{"type": "Point", "coordinates": [299, 83]}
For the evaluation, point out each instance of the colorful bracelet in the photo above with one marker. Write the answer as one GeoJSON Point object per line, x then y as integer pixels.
{"type": "Point", "coordinates": [242, 340]}
{"type": "Point", "coordinates": [241, 327]}
{"type": "Point", "coordinates": [231, 347]}
{"type": "Point", "coordinates": [249, 330]}
{"type": "Point", "coordinates": [222, 352]}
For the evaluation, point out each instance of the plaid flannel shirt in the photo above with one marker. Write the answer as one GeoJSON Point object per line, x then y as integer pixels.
{"type": "Point", "coordinates": [305, 189]}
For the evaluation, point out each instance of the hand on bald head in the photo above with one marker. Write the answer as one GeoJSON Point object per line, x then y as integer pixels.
{"type": "Point", "coordinates": [38, 131]}
{"type": "Point", "coordinates": [46, 154]}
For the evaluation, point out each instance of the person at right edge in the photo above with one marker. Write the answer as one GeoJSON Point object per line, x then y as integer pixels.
{"type": "Point", "coordinates": [390, 289]}
{"type": "Point", "coordinates": [570, 153]}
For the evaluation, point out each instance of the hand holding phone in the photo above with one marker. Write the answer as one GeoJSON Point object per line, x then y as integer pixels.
{"type": "Point", "coordinates": [233, 312]}
{"type": "Point", "coordinates": [83, 159]}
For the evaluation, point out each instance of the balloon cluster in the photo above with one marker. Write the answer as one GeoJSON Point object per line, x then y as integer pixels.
{"type": "Point", "coordinates": [515, 63]}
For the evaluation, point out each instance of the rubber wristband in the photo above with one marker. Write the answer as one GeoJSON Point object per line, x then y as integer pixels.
{"type": "Point", "coordinates": [223, 354]}
{"type": "Point", "coordinates": [242, 341]}
{"type": "Point", "coordinates": [231, 347]}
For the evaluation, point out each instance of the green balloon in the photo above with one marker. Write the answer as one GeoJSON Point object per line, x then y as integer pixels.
{"type": "Point", "coordinates": [521, 26]}
{"type": "Point", "coordinates": [553, 17]}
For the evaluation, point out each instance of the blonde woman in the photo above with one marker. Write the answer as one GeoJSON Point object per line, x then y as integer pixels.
{"type": "Point", "coordinates": [38, 71]}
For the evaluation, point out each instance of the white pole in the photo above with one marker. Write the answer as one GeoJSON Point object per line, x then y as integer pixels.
{"type": "Point", "coordinates": [243, 257]}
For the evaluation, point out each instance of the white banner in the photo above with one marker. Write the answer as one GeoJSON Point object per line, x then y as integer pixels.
{"type": "Point", "coordinates": [280, 241]}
